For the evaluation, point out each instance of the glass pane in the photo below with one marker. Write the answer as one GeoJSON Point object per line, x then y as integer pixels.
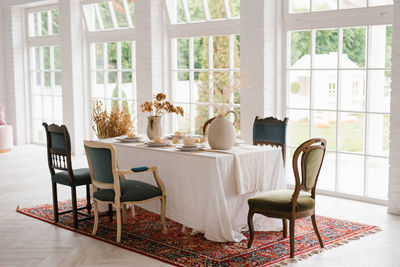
{"type": "Point", "coordinates": [326, 49]}
{"type": "Point", "coordinates": [298, 89]}
{"type": "Point", "coordinates": [223, 91]}
{"type": "Point", "coordinates": [201, 115]}
{"type": "Point", "coordinates": [112, 55]}
{"type": "Point", "coordinates": [354, 40]}
{"type": "Point", "coordinates": [352, 132]}
{"type": "Point", "coordinates": [234, 6]}
{"type": "Point", "coordinates": [112, 87]}
{"type": "Point", "coordinates": [196, 10]}
{"type": "Point", "coordinates": [377, 177]}
{"type": "Point", "coordinates": [299, 126]}
{"type": "Point", "coordinates": [300, 49]}
{"type": "Point", "coordinates": [105, 15]}
{"type": "Point", "coordinates": [38, 134]}
{"type": "Point", "coordinates": [237, 51]}
{"type": "Point", "coordinates": [183, 53]}
{"type": "Point", "coordinates": [99, 56]}
{"type": "Point", "coordinates": [299, 6]}
{"type": "Point", "coordinates": [352, 93]}
{"type": "Point", "coordinates": [183, 123]}
{"type": "Point", "coordinates": [54, 21]}
{"type": "Point", "coordinates": [37, 58]}
{"type": "Point", "coordinates": [38, 79]}
{"type": "Point", "coordinates": [127, 88]}
{"type": "Point", "coordinates": [352, 4]}
{"type": "Point", "coordinates": [201, 53]}
{"type": "Point", "coordinates": [239, 81]}
{"type": "Point", "coordinates": [126, 77]}
{"type": "Point", "coordinates": [57, 101]}
{"type": "Point", "coordinates": [380, 42]}
{"type": "Point", "coordinates": [36, 24]}
{"type": "Point", "coordinates": [120, 13]}
{"type": "Point", "coordinates": [379, 83]}
{"type": "Point", "coordinates": [325, 89]}
{"type": "Point", "coordinates": [47, 80]}
{"type": "Point", "coordinates": [380, 2]}
{"type": "Point", "coordinates": [57, 62]}
{"type": "Point", "coordinates": [45, 23]}
{"type": "Point", "coordinates": [325, 127]}
{"type": "Point", "coordinates": [112, 77]}
{"type": "Point", "coordinates": [46, 57]}
{"type": "Point", "coordinates": [378, 134]}
{"type": "Point", "coordinates": [57, 78]}
{"type": "Point", "coordinates": [326, 179]}
{"type": "Point", "coordinates": [321, 5]}
{"type": "Point", "coordinates": [221, 52]}
{"type": "Point", "coordinates": [351, 174]}
{"type": "Point", "coordinates": [126, 50]}
{"type": "Point", "coordinates": [217, 9]}
{"type": "Point", "coordinates": [131, 6]}
{"type": "Point", "coordinates": [201, 87]}
{"type": "Point", "coordinates": [98, 89]}
{"type": "Point", "coordinates": [182, 87]}
{"type": "Point", "coordinates": [36, 106]}
{"type": "Point", "coordinates": [180, 14]}
{"type": "Point", "coordinates": [47, 108]}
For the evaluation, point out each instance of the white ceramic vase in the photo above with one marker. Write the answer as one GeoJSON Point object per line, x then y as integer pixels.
{"type": "Point", "coordinates": [221, 132]}
{"type": "Point", "coordinates": [154, 127]}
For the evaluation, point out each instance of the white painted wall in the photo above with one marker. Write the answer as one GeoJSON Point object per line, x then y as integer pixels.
{"type": "Point", "coordinates": [394, 160]}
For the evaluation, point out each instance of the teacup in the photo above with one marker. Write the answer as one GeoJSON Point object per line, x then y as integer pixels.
{"type": "Point", "coordinates": [189, 141]}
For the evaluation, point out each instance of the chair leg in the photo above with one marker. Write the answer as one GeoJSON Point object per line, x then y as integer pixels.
{"type": "Point", "coordinates": [74, 207]}
{"type": "Point", "coordinates": [291, 237]}
{"type": "Point", "coordinates": [110, 212]}
{"type": "Point", "coordinates": [314, 222]}
{"type": "Point", "coordinates": [284, 222]}
{"type": "Point", "coordinates": [88, 203]}
{"type": "Point", "coordinates": [251, 228]}
{"type": "Point", "coordinates": [118, 210]}
{"type": "Point", "coordinates": [96, 216]}
{"type": "Point", "coordinates": [124, 215]}
{"type": "Point", "coordinates": [55, 202]}
{"type": "Point", "coordinates": [163, 208]}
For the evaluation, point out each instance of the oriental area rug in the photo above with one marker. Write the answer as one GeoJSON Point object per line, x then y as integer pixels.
{"type": "Point", "coordinates": [142, 234]}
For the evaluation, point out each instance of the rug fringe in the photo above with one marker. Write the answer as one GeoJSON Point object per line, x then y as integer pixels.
{"type": "Point", "coordinates": [304, 256]}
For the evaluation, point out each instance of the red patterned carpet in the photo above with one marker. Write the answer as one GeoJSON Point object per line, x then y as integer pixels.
{"type": "Point", "coordinates": [143, 235]}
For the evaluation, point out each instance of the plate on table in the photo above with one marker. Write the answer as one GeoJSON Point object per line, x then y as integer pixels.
{"type": "Point", "coordinates": [190, 148]}
{"type": "Point", "coordinates": [157, 144]}
{"type": "Point", "coordinates": [124, 139]}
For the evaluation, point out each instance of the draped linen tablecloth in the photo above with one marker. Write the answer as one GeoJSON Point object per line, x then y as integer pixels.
{"type": "Point", "coordinates": [201, 187]}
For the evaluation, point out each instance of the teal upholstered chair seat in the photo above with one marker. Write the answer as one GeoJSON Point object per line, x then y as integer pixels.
{"type": "Point", "coordinates": [280, 200]}
{"type": "Point", "coordinates": [82, 177]}
{"type": "Point", "coordinates": [131, 190]}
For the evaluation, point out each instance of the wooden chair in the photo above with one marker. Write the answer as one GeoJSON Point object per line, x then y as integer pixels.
{"type": "Point", "coordinates": [270, 131]}
{"type": "Point", "coordinates": [110, 186]}
{"type": "Point", "coordinates": [59, 158]}
{"type": "Point", "coordinates": [288, 204]}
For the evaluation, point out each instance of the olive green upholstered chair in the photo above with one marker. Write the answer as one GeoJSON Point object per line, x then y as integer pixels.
{"type": "Point", "coordinates": [110, 186]}
{"type": "Point", "coordinates": [59, 158]}
{"type": "Point", "coordinates": [270, 131]}
{"type": "Point", "coordinates": [293, 204]}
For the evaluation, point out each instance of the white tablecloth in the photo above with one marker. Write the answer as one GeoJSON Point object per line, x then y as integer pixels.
{"type": "Point", "coordinates": [201, 187]}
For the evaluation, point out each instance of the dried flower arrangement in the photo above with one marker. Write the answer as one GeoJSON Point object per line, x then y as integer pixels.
{"type": "Point", "coordinates": [160, 106]}
{"type": "Point", "coordinates": [105, 125]}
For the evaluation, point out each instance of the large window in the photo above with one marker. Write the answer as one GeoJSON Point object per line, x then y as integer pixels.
{"type": "Point", "coordinates": [338, 88]}
{"type": "Point", "coordinates": [206, 79]}
{"type": "Point", "coordinates": [114, 75]}
{"type": "Point", "coordinates": [45, 71]}
{"type": "Point", "coordinates": [302, 6]}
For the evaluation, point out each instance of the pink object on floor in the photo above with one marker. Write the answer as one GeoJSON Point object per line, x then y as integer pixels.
{"type": "Point", "coordinates": [6, 138]}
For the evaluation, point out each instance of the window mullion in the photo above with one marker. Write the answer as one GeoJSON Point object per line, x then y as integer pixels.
{"type": "Point", "coordinates": [186, 11]}
{"type": "Point", "coordinates": [227, 9]}
{"type": "Point", "coordinates": [105, 64]}
{"type": "Point", "coordinates": [366, 116]}
{"type": "Point", "coordinates": [98, 15]}
{"type": "Point", "coordinates": [206, 10]}
{"type": "Point", "coordinates": [338, 105]}
{"type": "Point", "coordinates": [231, 67]}
{"type": "Point", "coordinates": [112, 13]}
{"type": "Point", "coordinates": [119, 73]}
{"type": "Point", "coordinates": [211, 75]}
{"type": "Point", "coordinates": [191, 82]}
{"type": "Point", "coordinates": [127, 14]}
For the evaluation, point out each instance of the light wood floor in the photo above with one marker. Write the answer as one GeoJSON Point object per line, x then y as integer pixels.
{"type": "Point", "coordinates": [24, 241]}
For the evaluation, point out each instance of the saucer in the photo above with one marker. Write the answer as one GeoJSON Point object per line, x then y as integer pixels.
{"type": "Point", "coordinates": [155, 144]}
{"type": "Point", "coordinates": [189, 148]}
{"type": "Point", "coordinates": [127, 139]}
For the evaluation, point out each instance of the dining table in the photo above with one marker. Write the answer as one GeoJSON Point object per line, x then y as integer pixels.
{"type": "Point", "coordinates": [207, 190]}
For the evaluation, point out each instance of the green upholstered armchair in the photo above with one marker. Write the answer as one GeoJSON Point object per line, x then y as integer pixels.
{"type": "Point", "coordinates": [293, 204]}
{"type": "Point", "coordinates": [270, 131]}
{"type": "Point", "coordinates": [110, 186]}
{"type": "Point", "coordinates": [59, 158]}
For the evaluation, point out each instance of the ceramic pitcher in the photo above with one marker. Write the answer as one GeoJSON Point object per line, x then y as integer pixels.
{"type": "Point", "coordinates": [221, 132]}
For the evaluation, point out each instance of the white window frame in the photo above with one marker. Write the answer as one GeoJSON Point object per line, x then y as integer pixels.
{"type": "Point", "coordinates": [335, 19]}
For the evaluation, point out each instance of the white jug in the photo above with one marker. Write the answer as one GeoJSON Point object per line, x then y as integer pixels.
{"type": "Point", "coordinates": [221, 133]}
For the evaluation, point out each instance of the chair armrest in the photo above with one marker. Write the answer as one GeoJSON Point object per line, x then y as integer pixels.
{"type": "Point", "coordinates": [134, 170]}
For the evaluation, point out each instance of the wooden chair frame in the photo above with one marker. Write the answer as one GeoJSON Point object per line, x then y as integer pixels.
{"type": "Point", "coordinates": [277, 121]}
{"type": "Point", "coordinates": [59, 159]}
{"type": "Point", "coordinates": [117, 175]}
{"type": "Point", "coordinates": [303, 149]}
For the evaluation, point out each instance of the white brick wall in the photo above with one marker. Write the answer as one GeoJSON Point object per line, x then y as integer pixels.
{"type": "Point", "coordinates": [394, 172]}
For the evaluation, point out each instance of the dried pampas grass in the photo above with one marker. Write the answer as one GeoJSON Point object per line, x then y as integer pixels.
{"type": "Point", "coordinates": [105, 125]}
